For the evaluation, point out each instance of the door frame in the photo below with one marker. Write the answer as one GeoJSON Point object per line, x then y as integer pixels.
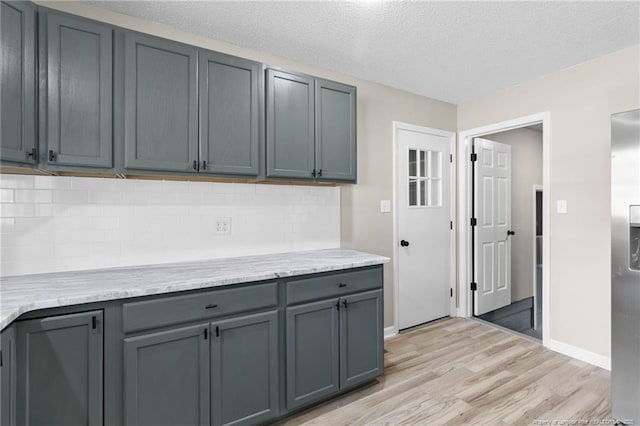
{"type": "Point", "coordinates": [464, 207]}
{"type": "Point", "coordinates": [398, 125]}
{"type": "Point", "coordinates": [536, 189]}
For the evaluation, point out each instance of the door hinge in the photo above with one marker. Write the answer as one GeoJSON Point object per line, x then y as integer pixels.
{"type": "Point", "coordinates": [451, 292]}
{"type": "Point", "coordinates": [217, 331]}
{"type": "Point", "coordinates": [474, 286]}
{"type": "Point", "coordinates": [474, 157]}
{"type": "Point", "coordinates": [206, 333]}
{"type": "Point", "coordinates": [451, 158]}
{"type": "Point", "coordinates": [474, 221]}
{"type": "Point", "coordinates": [94, 322]}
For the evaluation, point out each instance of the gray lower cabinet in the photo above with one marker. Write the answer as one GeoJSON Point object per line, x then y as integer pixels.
{"type": "Point", "coordinates": [167, 377]}
{"type": "Point", "coordinates": [361, 338]}
{"type": "Point", "coordinates": [244, 369]}
{"type": "Point", "coordinates": [312, 352]}
{"type": "Point", "coordinates": [8, 376]}
{"type": "Point", "coordinates": [78, 56]}
{"type": "Point", "coordinates": [60, 372]}
{"type": "Point", "coordinates": [290, 139]}
{"type": "Point", "coordinates": [160, 104]}
{"type": "Point", "coordinates": [18, 82]}
{"type": "Point", "coordinates": [229, 114]}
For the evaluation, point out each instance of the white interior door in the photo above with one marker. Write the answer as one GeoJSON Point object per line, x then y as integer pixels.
{"type": "Point", "coordinates": [493, 213]}
{"type": "Point", "coordinates": [424, 233]}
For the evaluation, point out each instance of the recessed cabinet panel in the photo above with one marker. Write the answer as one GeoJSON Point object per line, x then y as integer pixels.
{"type": "Point", "coordinates": [18, 82]}
{"type": "Point", "coordinates": [290, 138]}
{"type": "Point", "coordinates": [312, 352]}
{"type": "Point", "coordinates": [244, 372]}
{"type": "Point", "coordinates": [60, 370]}
{"type": "Point", "coordinates": [167, 378]}
{"type": "Point", "coordinates": [361, 340]}
{"type": "Point", "coordinates": [229, 114]}
{"type": "Point", "coordinates": [335, 131]}
{"type": "Point", "coordinates": [79, 99]}
{"type": "Point", "coordinates": [161, 130]}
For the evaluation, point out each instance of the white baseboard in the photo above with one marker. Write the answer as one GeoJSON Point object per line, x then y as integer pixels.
{"type": "Point", "coordinates": [579, 353]}
{"type": "Point", "coordinates": [390, 331]}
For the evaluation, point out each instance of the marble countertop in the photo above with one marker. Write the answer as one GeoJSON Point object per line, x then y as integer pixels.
{"type": "Point", "coordinates": [20, 294]}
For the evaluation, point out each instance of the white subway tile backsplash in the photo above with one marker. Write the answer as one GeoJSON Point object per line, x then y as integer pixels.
{"type": "Point", "coordinates": [51, 223]}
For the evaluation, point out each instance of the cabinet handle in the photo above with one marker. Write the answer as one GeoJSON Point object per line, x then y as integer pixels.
{"type": "Point", "coordinates": [338, 305]}
{"type": "Point", "coordinates": [320, 173]}
{"type": "Point", "coordinates": [344, 302]}
{"type": "Point", "coordinates": [313, 173]}
{"type": "Point", "coordinates": [342, 285]}
{"type": "Point", "coordinates": [195, 165]}
{"type": "Point", "coordinates": [52, 155]}
{"type": "Point", "coordinates": [204, 165]}
{"type": "Point", "coordinates": [206, 333]}
{"type": "Point", "coordinates": [217, 331]}
{"type": "Point", "coordinates": [94, 322]}
{"type": "Point", "coordinates": [33, 153]}
{"type": "Point", "coordinates": [211, 306]}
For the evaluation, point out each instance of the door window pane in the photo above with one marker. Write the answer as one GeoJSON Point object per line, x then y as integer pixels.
{"type": "Point", "coordinates": [423, 192]}
{"type": "Point", "coordinates": [413, 192]}
{"type": "Point", "coordinates": [435, 193]}
{"type": "Point", "coordinates": [412, 163]}
{"type": "Point", "coordinates": [435, 164]}
{"type": "Point", "coordinates": [423, 164]}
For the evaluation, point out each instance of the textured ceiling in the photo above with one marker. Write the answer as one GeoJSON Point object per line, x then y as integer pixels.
{"type": "Point", "coordinates": [452, 51]}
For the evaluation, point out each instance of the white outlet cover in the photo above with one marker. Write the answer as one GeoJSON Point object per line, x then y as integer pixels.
{"type": "Point", "coordinates": [385, 206]}
{"type": "Point", "coordinates": [562, 206]}
{"type": "Point", "coordinates": [222, 226]}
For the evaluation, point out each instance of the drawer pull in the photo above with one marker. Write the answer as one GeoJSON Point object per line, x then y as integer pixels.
{"type": "Point", "coordinates": [211, 306]}
{"type": "Point", "coordinates": [344, 302]}
{"type": "Point", "coordinates": [342, 285]}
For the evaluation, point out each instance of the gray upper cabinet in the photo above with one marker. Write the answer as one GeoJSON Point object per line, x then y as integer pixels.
{"type": "Point", "coordinates": [361, 339]}
{"type": "Point", "coordinates": [290, 118]}
{"type": "Point", "coordinates": [244, 372]}
{"type": "Point", "coordinates": [78, 70]}
{"type": "Point", "coordinates": [312, 352]}
{"type": "Point", "coordinates": [167, 378]}
{"type": "Point", "coordinates": [229, 114]}
{"type": "Point", "coordinates": [60, 371]}
{"type": "Point", "coordinates": [18, 82]}
{"type": "Point", "coordinates": [160, 105]}
{"type": "Point", "coordinates": [335, 120]}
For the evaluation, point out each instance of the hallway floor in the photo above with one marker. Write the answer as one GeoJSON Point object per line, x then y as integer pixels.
{"type": "Point", "coordinates": [463, 372]}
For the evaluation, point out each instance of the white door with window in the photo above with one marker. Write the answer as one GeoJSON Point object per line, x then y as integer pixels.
{"type": "Point", "coordinates": [493, 228]}
{"type": "Point", "coordinates": [424, 227]}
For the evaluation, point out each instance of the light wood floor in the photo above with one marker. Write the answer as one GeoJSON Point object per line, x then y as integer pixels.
{"type": "Point", "coordinates": [463, 372]}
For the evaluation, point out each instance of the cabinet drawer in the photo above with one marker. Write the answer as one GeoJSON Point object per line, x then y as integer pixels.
{"type": "Point", "coordinates": [320, 287]}
{"type": "Point", "coordinates": [193, 307]}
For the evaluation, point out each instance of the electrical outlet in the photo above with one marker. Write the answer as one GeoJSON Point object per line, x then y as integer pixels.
{"type": "Point", "coordinates": [222, 226]}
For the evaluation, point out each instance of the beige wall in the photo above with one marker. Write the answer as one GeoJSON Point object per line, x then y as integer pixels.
{"type": "Point", "coordinates": [363, 227]}
{"type": "Point", "coordinates": [526, 171]}
{"type": "Point", "coordinates": [581, 100]}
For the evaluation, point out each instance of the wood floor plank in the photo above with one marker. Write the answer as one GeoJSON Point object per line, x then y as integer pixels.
{"type": "Point", "coordinates": [462, 372]}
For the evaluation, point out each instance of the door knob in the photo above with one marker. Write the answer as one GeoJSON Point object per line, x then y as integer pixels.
{"type": "Point", "coordinates": [404, 243]}
{"type": "Point", "coordinates": [510, 232]}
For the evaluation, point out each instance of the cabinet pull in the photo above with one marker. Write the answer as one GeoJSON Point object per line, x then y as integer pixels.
{"type": "Point", "coordinates": [344, 302]}
{"type": "Point", "coordinates": [195, 165]}
{"type": "Point", "coordinates": [341, 285]}
{"type": "Point", "coordinates": [52, 155]}
{"type": "Point", "coordinates": [94, 322]}
{"type": "Point", "coordinates": [217, 331]}
{"type": "Point", "coordinates": [204, 165]}
{"type": "Point", "coordinates": [33, 153]}
{"type": "Point", "coordinates": [206, 333]}
{"type": "Point", "coordinates": [320, 173]}
{"type": "Point", "coordinates": [313, 173]}
{"type": "Point", "coordinates": [211, 306]}
{"type": "Point", "coordinates": [338, 305]}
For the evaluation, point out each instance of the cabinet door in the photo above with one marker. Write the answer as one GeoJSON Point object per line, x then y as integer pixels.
{"type": "Point", "coordinates": [361, 339]}
{"type": "Point", "coordinates": [79, 91]}
{"type": "Point", "coordinates": [290, 138]}
{"type": "Point", "coordinates": [8, 376]}
{"type": "Point", "coordinates": [60, 370]}
{"type": "Point", "coordinates": [229, 114]}
{"type": "Point", "coordinates": [244, 372]}
{"type": "Point", "coordinates": [335, 122]}
{"type": "Point", "coordinates": [312, 352]}
{"type": "Point", "coordinates": [161, 104]}
{"type": "Point", "coordinates": [166, 377]}
{"type": "Point", "coordinates": [18, 82]}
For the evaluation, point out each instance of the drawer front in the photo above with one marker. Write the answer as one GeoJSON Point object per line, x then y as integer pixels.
{"type": "Point", "coordinates": [338, 284]}
{"type": "Point", "coordinates": [170, 310]}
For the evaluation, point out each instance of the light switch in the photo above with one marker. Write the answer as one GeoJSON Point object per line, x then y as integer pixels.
{"type": "Point", "coordinates": [562, 206]}
{"type": "Point", "coordinates": [385, 206]}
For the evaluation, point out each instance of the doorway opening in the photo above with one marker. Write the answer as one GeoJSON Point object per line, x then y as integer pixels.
{"type": "Point", "coordinates": [504, 209]}
{"type": "Point", "coordinates": [507, 165]}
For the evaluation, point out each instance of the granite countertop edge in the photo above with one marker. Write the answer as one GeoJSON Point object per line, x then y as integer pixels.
{"type": "Point", "coordinates": [35, 295]}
